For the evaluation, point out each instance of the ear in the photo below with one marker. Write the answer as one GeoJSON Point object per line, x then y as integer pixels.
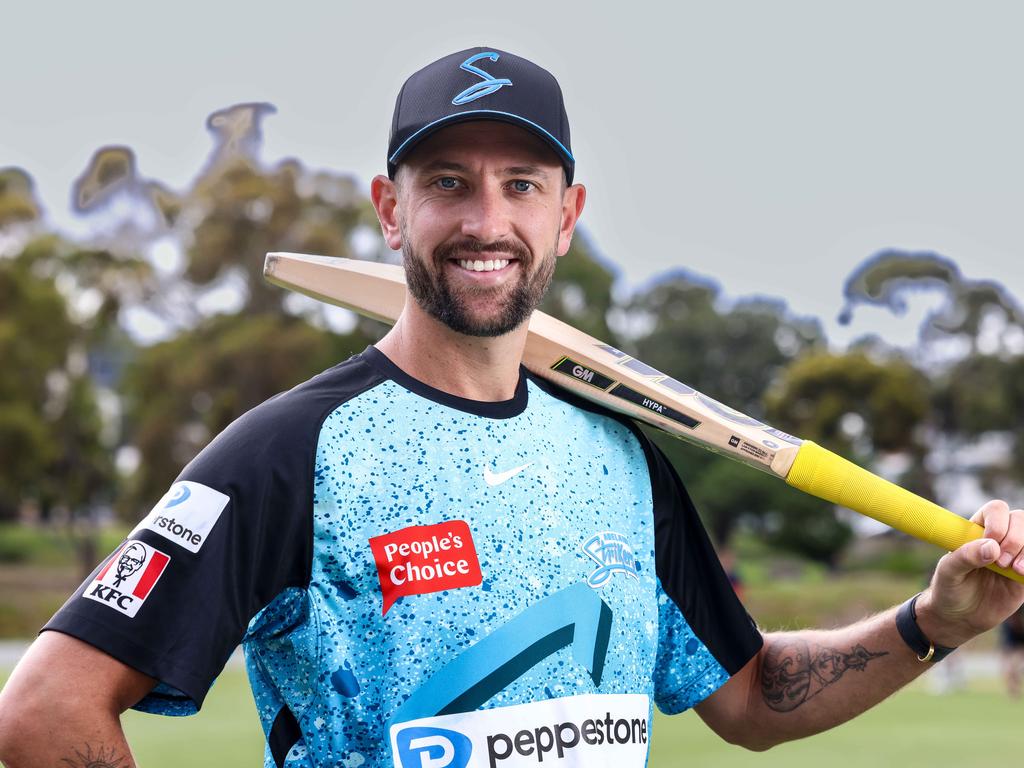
{"type": "Point", "coordinates": [572, 206]}
{"type": "Point", "coordinates": [384, 195]}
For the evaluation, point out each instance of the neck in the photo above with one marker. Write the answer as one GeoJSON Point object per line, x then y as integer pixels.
{"type": "Point", "coordinates": [473, 367]}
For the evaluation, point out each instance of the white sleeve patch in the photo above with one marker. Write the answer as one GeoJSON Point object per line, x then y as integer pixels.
{"type": "Point", "coordinates": [186, 514]}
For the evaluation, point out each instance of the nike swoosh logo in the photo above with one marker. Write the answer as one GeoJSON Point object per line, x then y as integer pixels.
{"type": "Point", "coordinates": [493, 479]}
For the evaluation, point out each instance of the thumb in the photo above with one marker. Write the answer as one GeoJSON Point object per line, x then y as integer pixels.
{"type": "Point", "coordinates": [973, 555]}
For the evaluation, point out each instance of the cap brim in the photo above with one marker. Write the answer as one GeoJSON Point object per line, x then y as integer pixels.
{"type": "Point", "coordinates": [568, 161]}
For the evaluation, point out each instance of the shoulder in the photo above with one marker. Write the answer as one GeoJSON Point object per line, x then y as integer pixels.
{"type": "Point", "coordinates": [631, 436]}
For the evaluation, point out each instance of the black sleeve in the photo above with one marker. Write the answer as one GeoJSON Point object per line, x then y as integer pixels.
{"type": "Point", "coordinates": [174, 600]}
{"type": "Point", "coordinates": [692, 575]}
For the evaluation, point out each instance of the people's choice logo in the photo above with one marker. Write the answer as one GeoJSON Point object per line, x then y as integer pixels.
{"type": "Point", "coordinates": [420, 747]}
{"type": "Point", "coordinates": [489, 85]}
{"type": "Point", "coordinates": [186, 514]}
{"type": "Point", "coordinates": [613, 554]}
{"type": "Point", "coordinates": [129, 576]}
{"type": "Point", "coordinates": [425, 558]}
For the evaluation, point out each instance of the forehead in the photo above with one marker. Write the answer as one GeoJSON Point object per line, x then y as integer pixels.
{"type": "Point", "coordinates": [488, 140]}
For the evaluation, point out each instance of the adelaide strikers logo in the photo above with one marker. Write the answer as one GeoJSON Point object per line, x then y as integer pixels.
{"type": "Point", "coordinates": [613, 554]}
{"type": "Point", "coordinates": [489, 85]}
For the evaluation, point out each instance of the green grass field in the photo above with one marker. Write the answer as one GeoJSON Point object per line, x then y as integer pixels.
{"type": "Point", "coordinates": [976, 727]}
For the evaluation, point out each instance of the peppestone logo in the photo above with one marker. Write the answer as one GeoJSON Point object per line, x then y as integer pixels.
{"type": "Point", "coordinates": [128, 577]}
{"type": "Point", "coordinates": [425, 558]}
{"type": "Point", "coordinates": [587, 731]}
{"type": "Point", "coordinates": [613, 554]}
{"type": "Point", "coordinates": [186, 514]}
{"type": "Point", "coordinates": [433, 748]}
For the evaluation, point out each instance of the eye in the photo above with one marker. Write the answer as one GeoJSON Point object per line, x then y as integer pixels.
{"type": "Point", "coordinates": [520, 185]}
{"type": "Point", "coordinates": [448, 182]}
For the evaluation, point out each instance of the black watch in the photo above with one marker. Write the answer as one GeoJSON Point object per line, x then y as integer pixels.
{"type": "Point", "coordinates": [906, 623]}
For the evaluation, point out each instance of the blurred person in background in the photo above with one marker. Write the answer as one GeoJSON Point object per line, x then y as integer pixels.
{"type": "Point", "coordinates": [1011, 645]}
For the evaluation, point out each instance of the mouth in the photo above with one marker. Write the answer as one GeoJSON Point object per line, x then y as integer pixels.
{"type": "Point", "coordinates": [483, 265]}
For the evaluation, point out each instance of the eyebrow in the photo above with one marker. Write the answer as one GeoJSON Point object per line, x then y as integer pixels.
{"type": "Point", "coordinates": [514, 170]}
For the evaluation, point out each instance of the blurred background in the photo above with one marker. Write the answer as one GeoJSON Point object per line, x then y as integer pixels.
{"type": "Point", "coordinates": [809, 211]}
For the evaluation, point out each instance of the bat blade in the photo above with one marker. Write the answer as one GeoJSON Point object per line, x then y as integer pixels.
{"type": "Point", "coordinates": [598, 372]}
{"type": "Point", "coordinates": [561, 354]}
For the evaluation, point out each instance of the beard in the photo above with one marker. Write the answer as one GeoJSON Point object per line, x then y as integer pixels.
{"type": "Point", "coordinates": [449, 304]}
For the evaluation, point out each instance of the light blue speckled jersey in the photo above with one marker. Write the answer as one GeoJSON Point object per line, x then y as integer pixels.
{"type": "Point", "coordinates": [543, 561]}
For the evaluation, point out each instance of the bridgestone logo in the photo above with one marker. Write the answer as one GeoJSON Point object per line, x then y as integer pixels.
{"type": "Point", "coordinates": [186, 514]}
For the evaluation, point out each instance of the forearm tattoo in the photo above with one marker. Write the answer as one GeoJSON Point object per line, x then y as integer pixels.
{"type": "Point", "coordinates": [793, 673]}
{"type": "Point", "coordinates": [101, 758]}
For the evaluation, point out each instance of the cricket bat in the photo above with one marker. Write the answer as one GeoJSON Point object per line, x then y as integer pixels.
{"type": "Point", "coordinates": [571, 359]}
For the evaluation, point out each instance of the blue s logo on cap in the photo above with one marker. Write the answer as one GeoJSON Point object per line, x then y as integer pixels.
{"type": "Point", "coordinates": [489, 85]}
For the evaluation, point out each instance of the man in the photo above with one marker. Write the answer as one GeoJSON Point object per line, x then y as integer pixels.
{"type": "Point", "coordinates": [433, 559]}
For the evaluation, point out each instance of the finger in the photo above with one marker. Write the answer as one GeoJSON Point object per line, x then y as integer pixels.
{"type": "Point", "coordinates": [973, 555]}
{"type": "Point", "coordinates": [1012, 543]}
{"type": "Point", "coordinates": [1016, 523]}
{"type": "Point", "coordinates": [995, 516]}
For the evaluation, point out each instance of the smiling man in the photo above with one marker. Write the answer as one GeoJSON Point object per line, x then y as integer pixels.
{"type": "Point", "coordinates": [434, 560]}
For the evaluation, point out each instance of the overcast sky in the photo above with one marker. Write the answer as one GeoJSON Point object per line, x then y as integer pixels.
{"type": "Point", "coordinates": [771, 146]}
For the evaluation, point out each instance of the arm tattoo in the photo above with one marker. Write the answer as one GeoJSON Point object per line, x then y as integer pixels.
{"type": "Point", "coordinates": [103, 758]}
{"type": "Point", "coordinates": [793, 673]}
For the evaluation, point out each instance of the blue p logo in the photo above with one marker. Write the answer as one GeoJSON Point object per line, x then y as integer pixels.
{"type": "Point", "coordinates": [420, 747]}
{"type": "Point", "coordinates": [180, 494]}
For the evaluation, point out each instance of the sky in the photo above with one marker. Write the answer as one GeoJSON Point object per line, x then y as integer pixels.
{"type": "Point", "coordinates": [771, 147]}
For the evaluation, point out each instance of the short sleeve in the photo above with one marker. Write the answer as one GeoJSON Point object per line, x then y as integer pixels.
{"type": "Point", "coordinates": [235, 529]}
{"type": "Point", "coordinates": [705, 635]}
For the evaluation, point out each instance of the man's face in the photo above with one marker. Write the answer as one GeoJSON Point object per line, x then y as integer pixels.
{"type": "Point", "coordinates": [481, 215]}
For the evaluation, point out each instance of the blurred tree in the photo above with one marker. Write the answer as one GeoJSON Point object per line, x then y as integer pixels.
{"type": "Point", "coordinates": [581, 291]}
{"type": "Point", "coordinates": [183, 392]}
{"type": "Point", "coordinates": [18, 203]}
{"type": "Point", "coordinates": [890, 277]}
{"type": "Point", "coordinates": [225, 357]}
{"type": "Point", "coordinates": [852, 404]}
{"type": "Point", "coordinates": [51, 430]}
{"type": "Point", "coordinates": [731, 354]}
{"type": "Point", "coordinates": [859, 407]}
{"type": "Point", "coordinates": [981, 395]}
{"type": "Point", "coordinates": [681, 326]}
{"type": "Point", "coordinates": [972, 343]}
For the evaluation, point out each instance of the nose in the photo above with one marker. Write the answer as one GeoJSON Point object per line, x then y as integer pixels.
{"type": "Point", "coordinates": [486, 215]}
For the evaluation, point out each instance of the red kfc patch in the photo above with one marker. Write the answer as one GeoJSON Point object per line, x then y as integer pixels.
{"type": "Point", "coordinates": [425, 558]}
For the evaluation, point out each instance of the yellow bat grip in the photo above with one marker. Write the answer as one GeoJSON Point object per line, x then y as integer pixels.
{"type": "Point", "coordinates": [821, 473]}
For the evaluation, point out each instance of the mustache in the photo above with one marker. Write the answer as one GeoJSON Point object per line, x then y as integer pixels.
{"type": "Point", "coordinates": [513, 248]}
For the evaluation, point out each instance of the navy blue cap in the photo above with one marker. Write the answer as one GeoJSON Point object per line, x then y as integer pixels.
{"type": "Point", "coordinates": [480, 84]}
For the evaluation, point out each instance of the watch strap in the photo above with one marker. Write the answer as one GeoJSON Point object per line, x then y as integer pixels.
{"type": "Point", "coordinates": [906, 624]}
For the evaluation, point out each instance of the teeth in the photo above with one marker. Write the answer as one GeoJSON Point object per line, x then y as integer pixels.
{"type": "Point", "coordinates": [483, 266]}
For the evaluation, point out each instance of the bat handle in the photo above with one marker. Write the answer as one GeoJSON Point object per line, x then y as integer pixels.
{"type": "Point", "coordinates": [828, 476]}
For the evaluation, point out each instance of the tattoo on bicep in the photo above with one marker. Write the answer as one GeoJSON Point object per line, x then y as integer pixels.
{"type": "Point", "coordinates": [102, 758]}
{"type": "Point", "coordinates": [794, 673]}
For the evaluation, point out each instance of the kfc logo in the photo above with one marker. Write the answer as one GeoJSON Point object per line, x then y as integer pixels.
{"type": "Point", "coordinates": [129, 576]}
